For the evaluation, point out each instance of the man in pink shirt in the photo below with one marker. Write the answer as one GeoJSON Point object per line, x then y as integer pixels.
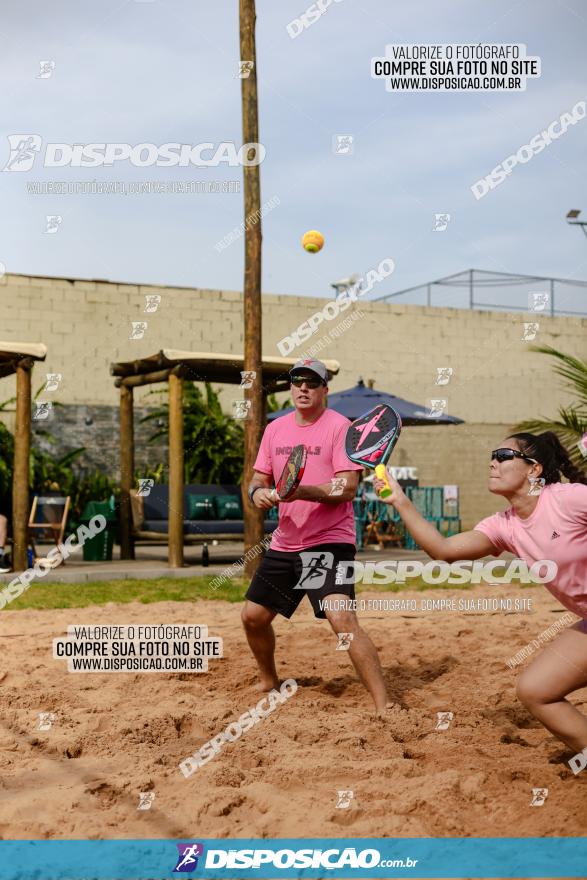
{"type": "Point", "coordinates": [316, 531]}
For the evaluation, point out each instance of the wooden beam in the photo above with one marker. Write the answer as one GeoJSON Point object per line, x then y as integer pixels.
{"type": "Point", "coordinates": [20, 479]}
{"type": "Point", "coordinates": [149, 378]}
{"type": "Point", "coordinates": [253, 426]}
{"type": "Point", "coordinates": [274, 387]}
{"type": "Point", "coordinates": [127, 468]}
{"type": "Point", "coordinates": [175, 471]}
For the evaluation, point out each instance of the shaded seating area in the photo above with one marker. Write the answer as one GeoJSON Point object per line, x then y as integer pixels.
{"type": "Point", "coordinates": [174, 366]}
{"type": "Point", "coordinates": [211, 513]}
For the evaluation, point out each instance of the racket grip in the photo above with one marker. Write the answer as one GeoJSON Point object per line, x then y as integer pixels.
{"type": "Point", "coordinates": [381, 474]}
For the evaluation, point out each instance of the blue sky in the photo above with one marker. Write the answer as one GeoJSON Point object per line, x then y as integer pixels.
{"type": "Point", "coordinates": [164, 71]}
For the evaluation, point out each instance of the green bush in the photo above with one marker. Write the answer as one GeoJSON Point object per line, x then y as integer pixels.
{"type": "Point", "coordinates": [213, 441]}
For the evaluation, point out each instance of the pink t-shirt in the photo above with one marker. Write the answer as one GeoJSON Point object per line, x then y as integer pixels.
{"type": "Point", "coordinates": [557, 530]}
{"type": "Point", "coordinates": [304, 524]}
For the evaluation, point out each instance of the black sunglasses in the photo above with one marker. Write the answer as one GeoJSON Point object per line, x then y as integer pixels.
{"type": "Point", "coordinates": [505, 454]}
{"type": "Point", "coordinates": [298, 381]}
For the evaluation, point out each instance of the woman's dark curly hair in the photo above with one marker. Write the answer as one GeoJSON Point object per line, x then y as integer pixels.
{"type": "Point", "coordinates": [548, 450]}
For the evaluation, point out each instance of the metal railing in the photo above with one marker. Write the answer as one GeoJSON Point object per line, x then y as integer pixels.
{"type": "Point", "coordinates": [525, 293]}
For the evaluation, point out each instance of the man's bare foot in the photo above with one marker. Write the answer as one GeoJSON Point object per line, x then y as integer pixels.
{"type": "Point", "coordinates": [268, 684]}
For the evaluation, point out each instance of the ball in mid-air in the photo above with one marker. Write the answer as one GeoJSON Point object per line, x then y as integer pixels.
{"type": "Point", "coordinates": [312, 241]}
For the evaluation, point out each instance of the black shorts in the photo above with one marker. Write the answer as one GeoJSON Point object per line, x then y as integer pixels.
{"type": "Point", "coordinates": [274, 583]}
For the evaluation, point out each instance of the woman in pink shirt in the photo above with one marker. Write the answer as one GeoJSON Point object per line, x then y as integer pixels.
{"type": "Point", "coordinates": [547, 519]}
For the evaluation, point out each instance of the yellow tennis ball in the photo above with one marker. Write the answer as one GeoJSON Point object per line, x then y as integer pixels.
{"type": "Point", "coordinates": [312, 241]}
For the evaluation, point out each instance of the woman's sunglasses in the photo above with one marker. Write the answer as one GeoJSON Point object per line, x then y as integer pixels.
{"type": "Point", "coordinates": [505, 454]}
{"type": "Point", "coordinates": [298, 381]}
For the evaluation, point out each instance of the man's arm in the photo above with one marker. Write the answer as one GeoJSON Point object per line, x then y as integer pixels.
{"type": "Point", "coordinates": [261, 485]}
{"type": "Point", "coordinates": [344, 489]}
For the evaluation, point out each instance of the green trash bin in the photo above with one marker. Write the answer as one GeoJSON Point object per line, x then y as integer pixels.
{"type": "Point", "coordinates": [99, 548]}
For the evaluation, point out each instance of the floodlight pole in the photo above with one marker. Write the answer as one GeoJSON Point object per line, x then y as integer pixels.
{"type": "Point", "coordinates": [580, 223]}
{"type": "Point", "coordinates": [253, 424]}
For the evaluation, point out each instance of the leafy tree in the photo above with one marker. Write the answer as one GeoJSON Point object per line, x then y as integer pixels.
{"type": "Point", "coordinates": [213, 441]}
{"type": "Point", "coordinates": [572, 422]}
{"type": "Point", "coordinates": [273, 404]}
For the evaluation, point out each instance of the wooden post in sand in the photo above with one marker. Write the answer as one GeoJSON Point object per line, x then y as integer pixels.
{"type": "Point", "coordinates": [175, 470]}
{"type": "Point", "coordinates": [127, 467]}
{"type": "Point", "coordinates": [20, 477]}
{"type": "Point", "coordinates": [253, 427]}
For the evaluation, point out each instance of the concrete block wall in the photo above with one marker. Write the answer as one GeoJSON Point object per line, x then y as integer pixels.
{"type": "Point", "coordinates": [496, 381]}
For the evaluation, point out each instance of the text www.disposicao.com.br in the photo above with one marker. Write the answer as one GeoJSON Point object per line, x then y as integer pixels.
{"type": "Point", "coordinates": [135, 664]}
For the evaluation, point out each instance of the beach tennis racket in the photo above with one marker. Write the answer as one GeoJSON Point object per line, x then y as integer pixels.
{"type": "Point", "coordinates": [371, 438]}
{"type": "Point", "coordinates": [292, 473]}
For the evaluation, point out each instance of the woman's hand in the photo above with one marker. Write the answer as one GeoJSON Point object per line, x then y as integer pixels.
{"type": "Point", "coordinates": [397, 496]}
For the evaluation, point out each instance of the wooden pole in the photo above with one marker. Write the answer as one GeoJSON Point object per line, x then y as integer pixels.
{"type": "Point", "coordinates": [20, 480]}
{"type": "Point", "coordinates": [175, 471]}
{"type": "Point", "coordinates": [127, 469]}
{"type": "Point", "coordinates": [253, 427]}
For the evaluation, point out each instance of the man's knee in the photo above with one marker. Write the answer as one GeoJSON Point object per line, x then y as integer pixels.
{"type": "Point", "coordinates": [255, 617]}
{"type": "Point", "coordinates": [343, 621]}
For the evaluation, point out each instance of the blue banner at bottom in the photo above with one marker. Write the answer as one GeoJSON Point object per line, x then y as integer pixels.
{"type": "Point", "coordinates": [306, 857]}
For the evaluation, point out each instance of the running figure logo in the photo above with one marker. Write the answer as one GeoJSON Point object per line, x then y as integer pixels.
{"type": "Point", "coordinates": [138, 329]}
{"type": "Point", "coordinates": [343, 144]}
{"type": "Point", "coordinates": [42, 410]}
{"type": "Point", "coordinates": [443, 375]}
{"type": "Point", "coordinates": [188, 857]}
{"type": "Point", "coordinates": [344, 799]}
{"type": "Point", "coordinates": [441, 222]}
{"type": "Point", "coordinates": [152, 303]}
{"type": "Point", "coordinates": [146, 799]}
{"type": "Point", "coordinates": [539, 795]}
{"type": "Point", "coordinates": [53, 223]}
{"type": "Point", "coordinates": [437, 407]}
{"type": "Point", "coordinates": [530, 331]}
{"type": "Point", "coordinates": [344, 641]}
{"type": "Point", "coordinates": [244, 69]}
{"type": "Point", "coordinates": [247, 378]}
{"type": "Point", "coordinates": [443, 720]}
{"type": "Point", "coordinates": [23, 149]}
{"type": "Point", "coordinates": [538, 302]}
{"type": "Point", "coordinates": [46, 719]}
{"type": "Point", "coordinates": [315, 567]}
{"type": "Point", "coordinates": [47, 68]}
{"type": "Point", "coordinates": [338, 485]}
{"type": "Point", "coordinates": [240, 409]}
{"type": "Point", "coordinates": [53, 380]}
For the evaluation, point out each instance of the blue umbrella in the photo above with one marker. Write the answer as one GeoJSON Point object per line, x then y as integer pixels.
{"type": "Point", "coordinates": [353, 402]}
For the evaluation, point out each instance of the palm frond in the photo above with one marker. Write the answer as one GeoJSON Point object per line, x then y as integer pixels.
{"type": "Point", "coordinates": [571, 424]}
{"type": "Point", "coordinates": [573, 370]}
